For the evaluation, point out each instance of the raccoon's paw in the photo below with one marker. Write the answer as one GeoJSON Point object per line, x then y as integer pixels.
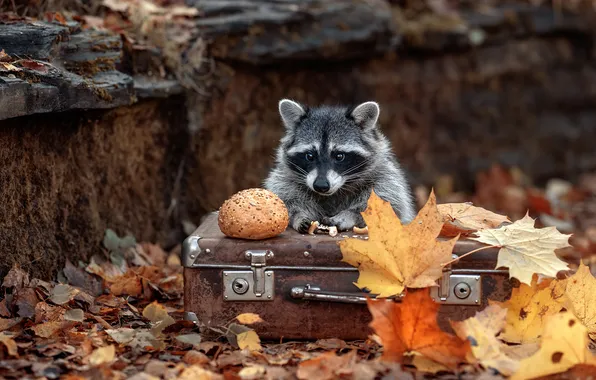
{"type": "Point", "coordinates": [345, 220]}
{"type": "Point", "coordinates": [301, 225]}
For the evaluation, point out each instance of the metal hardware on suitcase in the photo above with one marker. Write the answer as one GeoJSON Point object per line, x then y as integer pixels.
{"type": "Point", "coordinates": [301, 289]}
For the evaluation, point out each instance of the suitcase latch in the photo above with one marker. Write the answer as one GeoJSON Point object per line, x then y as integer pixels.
{"type": "Point", "coordinates": [250, 285]}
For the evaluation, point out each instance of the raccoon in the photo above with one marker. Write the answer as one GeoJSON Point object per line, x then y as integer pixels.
{"type": "Point", "coordinates": [329, 161]}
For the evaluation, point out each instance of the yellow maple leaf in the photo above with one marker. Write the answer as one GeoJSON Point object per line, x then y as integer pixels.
{"type": "Point", "coordinates": [249, 339]}
{"type": "Point", "coordinates": [581, 297]}
{"type": "Point", "coordinates": [481, 331]}
{"type": "Point", "coordinates": [526, 250]}
{"type": "Point", "coordinates": [528, 307]}
{"type": "Point", "coordinates": [249, 318]}
{"type": "Point", "coordinates": [564, 344]}
{"type": "Point", "coordinates": [396, 255]}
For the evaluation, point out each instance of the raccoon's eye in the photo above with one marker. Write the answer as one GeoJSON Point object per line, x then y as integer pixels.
{"type": "Point", "coordinates": [309, 156]}
{"type": "Point", "coordinates": [339, 156]}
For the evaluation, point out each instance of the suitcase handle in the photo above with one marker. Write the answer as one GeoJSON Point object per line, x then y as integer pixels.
{"type": "Point", "coordinates": [312, 293]}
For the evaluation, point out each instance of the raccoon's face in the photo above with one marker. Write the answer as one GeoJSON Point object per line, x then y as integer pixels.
{"type": "Point", "coordinates": [328, 147]}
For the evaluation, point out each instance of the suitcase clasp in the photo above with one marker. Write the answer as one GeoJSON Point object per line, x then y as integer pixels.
{"type": "Point", "coordinates": [250, 285]}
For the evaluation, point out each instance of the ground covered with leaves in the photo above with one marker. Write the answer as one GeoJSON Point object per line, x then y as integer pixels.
{"type": "Point", "coordinates": [120, 314]}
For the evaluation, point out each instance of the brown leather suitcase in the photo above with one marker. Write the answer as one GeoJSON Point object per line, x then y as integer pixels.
{"type": "Point", "coordinates": [302, 290]}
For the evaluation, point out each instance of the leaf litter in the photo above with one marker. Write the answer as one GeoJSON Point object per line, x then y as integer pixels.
{"type": "Point", "coordinates": [120, 314]}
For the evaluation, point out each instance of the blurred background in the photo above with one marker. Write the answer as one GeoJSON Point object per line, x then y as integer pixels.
{"type": "Point", "coordinates": [143, 116]}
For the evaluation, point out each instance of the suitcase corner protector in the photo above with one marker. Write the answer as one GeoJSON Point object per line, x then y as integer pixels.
{"type": "Point", "coordinates": [190, 316]}
{"type": "Point", "coordinates": [190, 250]}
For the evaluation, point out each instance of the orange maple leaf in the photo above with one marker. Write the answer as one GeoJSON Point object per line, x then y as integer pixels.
{"type": "Point", "coordinates": [411, 325]}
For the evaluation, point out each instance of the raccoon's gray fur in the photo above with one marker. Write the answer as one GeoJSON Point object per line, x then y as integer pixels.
{"type": "Point", "coordinates": [328, 162]}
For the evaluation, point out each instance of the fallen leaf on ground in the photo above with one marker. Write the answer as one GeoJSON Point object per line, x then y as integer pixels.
{"type": "Point", "coordinates": [194, 339]}
{"type": "Point", "coordinates": [102, 355]}
{"type": "Point", "coordinates": [564, 344]}
{"type": "Point", "coordinates": [81, 279]}
{"type": "Point", "coordinates": [7, 323]}
{"type": "Point", "coordinates": [411, 325]}
{"type": "Point", "coordinates": [581, 297]}
{"type": "Point", "coordinates": [122, 335]}
{"type": "Point", "coordinates": [528, 307]}
{"type": "Point", "coordinates": [62, 294]}
{"type": "Point", "coordinates": [16, 278]}
{"type": "Point", "coordinates": [255, 371]}
{"type": "Point", "coordinates": [195, 372]}
{"type": "Point", "coordinates": [326, 366]}
{"type": "Point", "coordinates": [249, 339]}
{"type": "Point", "coordinates": [465, 218]}
{"type": "Point", "coordinates": [395, 255]}
{"type": "Point", "coordinates": [248, 318]}
{"type": "Point", "coordinates": [158, 314]}
{"type": "Point", "coordinates": [75, 315]}
{"type": "Point", "coordinates": [48, 329]}
{"type": "Point", "coordinates": [481, 331]}
{"type": "Point", "coordinates": [34, 65]}
{"type": "Point", "coordinates": [127, 284]}
{"type": "Point", "coordinates": [526, 250]}
{"type": "Point", "coordinates": [10, 344]}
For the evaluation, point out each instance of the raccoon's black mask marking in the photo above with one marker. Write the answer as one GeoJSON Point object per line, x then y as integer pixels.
{"type": "Point", "coordinates": [350, 163]}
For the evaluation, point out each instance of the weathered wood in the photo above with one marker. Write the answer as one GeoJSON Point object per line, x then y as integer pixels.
{"type": "Point", "coordinates": [268, 31]}
{"type": "Point", "coordinates": [32, 39]}
{"type": "Point", "coordinates": [72, 69]}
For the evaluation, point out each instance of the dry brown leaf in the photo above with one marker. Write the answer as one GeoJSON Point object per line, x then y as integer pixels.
{"type": "Point", "coordinates": [564, 344]}
{"type": "Point", "coordinates": [580, 297]}
{"type": "Point", "coordinates": [10, 344]}
{"type": "Point", "coordinates": [526, 250]}
{"type": "Point", "coordinates": [528, 307]}
{"type": "Point", "coordinates": [481, 331]}
{"type": "Point", "coordinates": [395, 255]}
{"type": "Point", "coordinates": [8, 323]}
{"type": "Point", "coordinates": [252, 372]}
{"type": "Point", "coordinates": [325, 366]}
{"type": "Point", "coordinates": [63, 293]}
{"type": "Point", "coordinates": [102, 355]}
{"type": "Point", "coordinates": [47, 329]}
{"type": "Point", "coordinates": [465, 218]}
{"type": "Point", "coordinates": [16, 278]}
{"type": "Point", "coordinates": [249, 318]}
{"type": "Point", "coordinates": [412, 326]}
{"type": "Point", "coordinates": [195, 372]}
{"type": "Point", "coordinates": [195, 357]}
{"type": "Point", "coordinates": [158, 314]}
{"type": "Point", "coordinates": [127, 284]}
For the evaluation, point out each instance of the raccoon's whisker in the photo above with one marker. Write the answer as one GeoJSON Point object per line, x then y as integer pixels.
{"type": "Point", "coordinates": [299, 168]}
{"type": "Point", "coordinates": [356, 167]}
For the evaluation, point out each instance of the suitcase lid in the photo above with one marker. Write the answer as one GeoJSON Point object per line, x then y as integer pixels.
{"type": "Point", "coordinates": [208, 246]}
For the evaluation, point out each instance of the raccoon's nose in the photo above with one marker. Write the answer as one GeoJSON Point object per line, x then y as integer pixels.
{"type": "Point", "coordinates": [321, 185]}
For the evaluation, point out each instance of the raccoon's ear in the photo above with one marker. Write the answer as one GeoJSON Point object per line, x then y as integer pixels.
{"type": "Point", "coordinates": [366, 115]}
{"type": "Point", "coordinates": [290, 112]}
